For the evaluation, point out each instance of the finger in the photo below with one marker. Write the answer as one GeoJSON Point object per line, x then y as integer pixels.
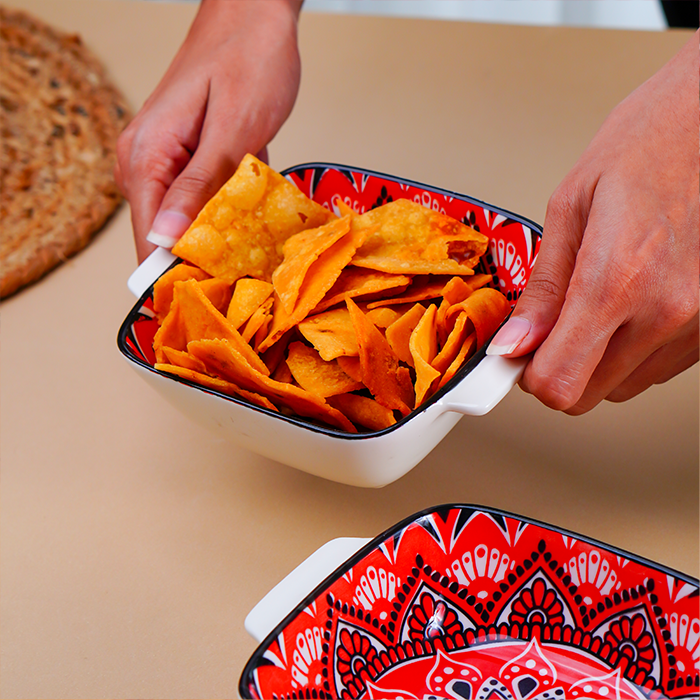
{"type": "Point", "coordinates": [540, 304]}
{"type": "Point", "coordinates": [664, 364]}
{"type": "Point", "coordinates": [220, 149]}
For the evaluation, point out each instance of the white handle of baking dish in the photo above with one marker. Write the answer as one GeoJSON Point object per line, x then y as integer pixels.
{"type": "Point", "coordinates": [149, 271]}
{"type": "Point", "coordinates": [484, 386]}
{"type": "Point", "coordinates": [282, 599]}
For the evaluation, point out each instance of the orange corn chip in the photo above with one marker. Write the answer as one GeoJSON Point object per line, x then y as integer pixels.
{"type": "Point", "coordinates": [248, 295]}
{"type": "Point", "coordinates": [423, 347]}
{"type": "Point", "coordinates": [300, 251]}
{"type": "Point", "coordinates": [379, 363]}
{"type": "Point", "coordinates": [316, 375]}
{"type": "Point", "coordinates": [468, 347]}
{"type": "Point", "coordinates": [218, 292]}
{"type": "Point", "coordinates": [358, 282]}
{"type": "Point", "coordinates": [364, 411]}
{"type": "Point", "coordinates": [217, 384]}
{"type": "Point", "coordinates": [283, 374]}
{"type": "Point", "coordinates": [201, 321]}
{"type": "Point", "coordinates": [241, 230]}
{"type": "Point", "coordinates": [423, 288]}
{"type": "Point", "coordinates": [399, 333]}
{"type": "Point", "coordinates": [258, 320]}
{"type": "Point", "coordinates": [486, 309]}
{"type": "Point", "coordinates": [351, 366]}
{"type": "Point", "coordinates": [385, 316]}
{"type": "Point", "coordinates": [452, 344]}
{"type": "Point", "coordinates": [412, 239]}
{"type": "Point", "coordinates": [224, 361]}
{"type": "Point", "coordinates": [331, 333]}
{"type": "Point", "coordinates": [163, 287]}
{"type": "Point", "coordinates": [320, 277]}
{"type": "Point", "coordinates": [183, 359]}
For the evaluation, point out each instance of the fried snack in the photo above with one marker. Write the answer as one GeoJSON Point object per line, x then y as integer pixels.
{"type": "Point", "coordinates": [321, 276]}
{"type": "Point", "coordinates": [364, 411]}
{"type": "Point", "coordinates": [423, 347]}
{"type": "Point", "coordinates": [300, 252]}
{"type": "Point", "coordinates": [163, 288]}
{"type": "Point", "coordinates": [331, 333]}
{"type": "Point", "coordinates": [357, 282]}
{"type": "Point", "coordinates": [248, 295]}
{"type": "Point", "coordinates": [241, 230]}
{"type": "Point", "coordinates": [316, 375]}
{"type": "Point", "coordinates": [351, 322]}
{"type": "Point", "coordinates": [224, 361]}
{"type": "Point", "coordinates": [380, 366]}
{"type": "Point", "coordinates": [408, 238]}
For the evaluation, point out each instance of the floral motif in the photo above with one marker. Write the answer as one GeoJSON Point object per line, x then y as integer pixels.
{"type": "Point", "coordinates": [632, 640]}
{"type": "Point", "coordinates": [432, 618]}
{"type": "Point", "coordinates": [355, 652]}
{"type": "Point", "coordinates": [537, 605]}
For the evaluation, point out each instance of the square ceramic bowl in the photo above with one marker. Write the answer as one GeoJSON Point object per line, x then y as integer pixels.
{"type": "Point", "coordinates": [370, 459]}
{"type": "Point", "coordinates": [463, 602]}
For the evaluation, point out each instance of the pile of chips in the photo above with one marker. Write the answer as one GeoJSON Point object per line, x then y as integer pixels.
{"type": "Point", "coordinates": [352, 321]}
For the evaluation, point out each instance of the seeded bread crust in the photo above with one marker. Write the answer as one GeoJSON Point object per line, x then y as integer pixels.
{"type": "Point", "coordinates": [59, 120]}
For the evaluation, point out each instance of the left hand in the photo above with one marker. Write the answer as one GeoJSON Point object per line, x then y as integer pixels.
{"type": "Point", "coordinates": [611, 307]}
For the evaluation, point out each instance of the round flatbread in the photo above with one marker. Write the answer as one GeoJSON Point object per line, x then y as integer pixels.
{"type": "Point", "coordinates": [59, 118]}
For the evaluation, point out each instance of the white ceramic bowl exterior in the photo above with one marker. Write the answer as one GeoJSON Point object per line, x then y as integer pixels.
{"type": "Point", "coordinates": [368, 460]}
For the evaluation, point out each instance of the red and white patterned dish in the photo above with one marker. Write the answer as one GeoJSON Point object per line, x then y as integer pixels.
{"type": "Point", "coordinates": [366, 459]}
{"type": "Point", "coordinates": [467, 602]}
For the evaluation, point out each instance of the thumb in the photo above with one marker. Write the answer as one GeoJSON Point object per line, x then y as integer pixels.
{"type": "Point", "coordinates": [540, 304]}
{"type": "Point", "coordinates": [210, 167]}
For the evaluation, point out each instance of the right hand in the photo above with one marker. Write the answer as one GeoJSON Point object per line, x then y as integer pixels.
{"type": "Point", "coordinates": [227, 92]}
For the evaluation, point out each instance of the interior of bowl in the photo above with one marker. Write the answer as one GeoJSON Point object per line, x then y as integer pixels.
{"type": "Point", "coordinates": [465, 602]}
{"type": "Point", "coordinates": [514, 244]}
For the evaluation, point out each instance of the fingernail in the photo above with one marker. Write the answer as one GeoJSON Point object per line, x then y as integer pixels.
{"type": "Point", "coordinates": [510, 336]}
{"type": "Point", "coordinates": [167, 228]}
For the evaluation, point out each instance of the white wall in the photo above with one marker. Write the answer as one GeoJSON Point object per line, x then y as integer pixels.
{"type": "Point", "coordinates": [612, 14]}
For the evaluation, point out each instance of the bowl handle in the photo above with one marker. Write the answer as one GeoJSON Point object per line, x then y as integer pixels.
{"type": "Point", "coordinates": [149, 271]}
{"type": "Point", "coordinates": [484, 386]}
{"type": "Point", "coordinates": [282, 599]}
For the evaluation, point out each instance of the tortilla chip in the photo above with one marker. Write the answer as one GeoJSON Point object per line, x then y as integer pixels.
{"type": "Point", "coordinates": [453, 343]}
{"type": "Point", "coordinates": [260, 319]}
{"type": "Point", "coordinates": [300, 251]}
{"type": "Point", "coordinates": [217, 384]}
{"type": "Point", "coordinates": [218, 292]}
{"type": "Point", "coordinates": [423, 347]}
{"type": "Point", "coordinates": [201, 321]}
{"type": "Point", "coordinates": [248, 295]}
{"type": "Point", "coordinates": [320, 277]}
{"type": "Point", "coordinates": [422, 288]}
{"type": "Point", "coordinates": [331, 333]}
{"type": "Point", "coordinates": [467, 349]}
{"type": "Point", "coordinates": [171, 333]}
{"type": "Point", "coordinates": [183, 359]}
{"type": "Point", "coordinates": [486, 309]}
{"type": "Point", "coordinates": [385, 316]}
{"type": "Point", "coordinates": [364, 411]}
{"type": "Point", "coordinates": [241, 230]}
{"type": "Point", "coordinates": [358, 282]}
{"type": "Point", "coordinates": [412, 239]}
{"type": "Point", "coordinates": [316, 375]}
{"type": "Point", "coordinates": [351, 366]}
{"type": "Point", "coordinates": [163, 287]}
{"type": "Point", "coordinates": [223, 360]}
{"type": "Point", "coordinates": [399, 333]}
{"type": "Point", "coordinates": [283, 374]}
{"type": "Point", "coordinates": [379, 363]}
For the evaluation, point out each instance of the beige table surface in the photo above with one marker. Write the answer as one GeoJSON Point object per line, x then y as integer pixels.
{"type": "Point", "coordinates": [134, 543]}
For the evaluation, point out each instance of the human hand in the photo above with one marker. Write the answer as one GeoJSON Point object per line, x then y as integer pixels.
{"type": "Point", "coordinates": [611, 306]}
{"type": "Point", "coordinates": [227, 92]}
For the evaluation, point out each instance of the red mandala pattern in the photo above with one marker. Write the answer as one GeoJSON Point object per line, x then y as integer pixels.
{"type": "Point", "coordinates": [463, 602]}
